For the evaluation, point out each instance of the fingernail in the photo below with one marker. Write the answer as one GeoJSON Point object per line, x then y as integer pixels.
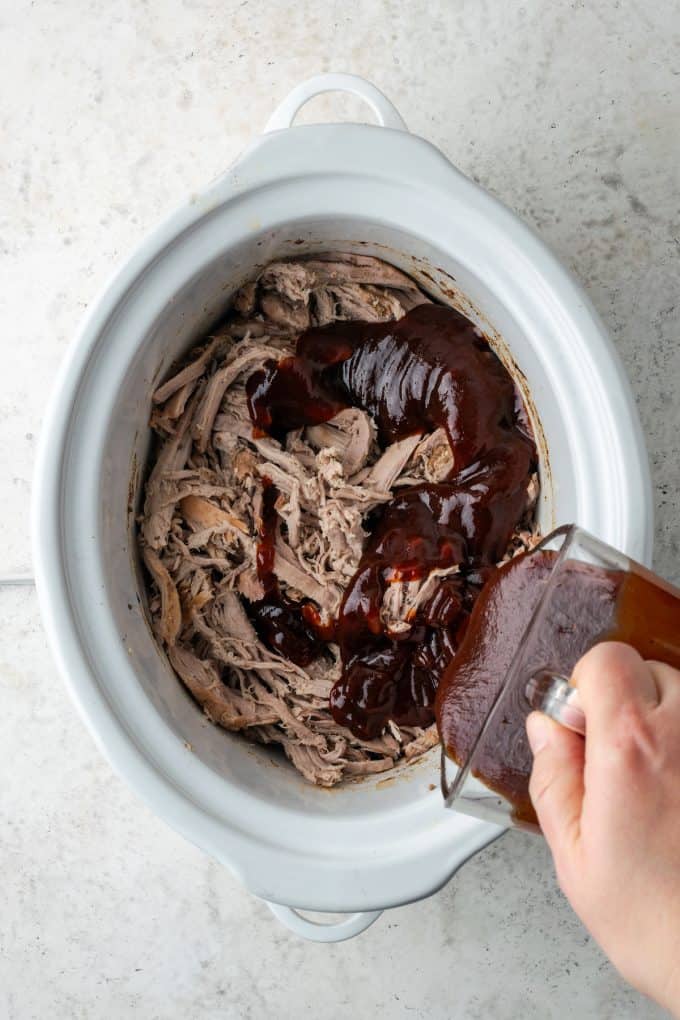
{"type": "Point", "coordinates": [538, 731]}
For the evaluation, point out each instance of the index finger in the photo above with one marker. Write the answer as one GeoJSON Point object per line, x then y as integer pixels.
{"type": "Point", "coordinates": [612, 674]}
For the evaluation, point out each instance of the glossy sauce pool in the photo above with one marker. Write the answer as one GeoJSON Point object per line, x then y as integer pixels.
{"type": "Point", "coordinates": [431, 369]}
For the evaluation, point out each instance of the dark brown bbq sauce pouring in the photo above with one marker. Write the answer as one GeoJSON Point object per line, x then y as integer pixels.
{"type": "Point", "coordinates": [428, 370]}
{"type": "Point", "coordinates": [588, 604]}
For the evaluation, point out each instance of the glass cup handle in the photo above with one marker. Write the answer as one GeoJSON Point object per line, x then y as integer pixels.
{"type": "Point", "coordinates": [553, 694]}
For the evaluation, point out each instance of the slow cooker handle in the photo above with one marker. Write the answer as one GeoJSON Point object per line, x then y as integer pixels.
{"type": "Point", "coordinates": [284, 115]}
{"type": "Point", "coordinates": [321, 931]}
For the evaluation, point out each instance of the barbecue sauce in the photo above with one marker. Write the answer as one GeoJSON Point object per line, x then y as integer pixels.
{"type": "Point", "coordinates": [278, 620]}
{"type": "Point", "coordinates": [588, 604]}
{"type": "Point", "coordinates": [430, 369]}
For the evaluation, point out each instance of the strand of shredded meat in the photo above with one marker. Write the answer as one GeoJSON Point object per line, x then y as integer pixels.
{"type": "Point", "coordinates": [199, 527]}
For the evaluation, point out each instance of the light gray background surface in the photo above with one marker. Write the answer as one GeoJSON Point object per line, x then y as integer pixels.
{"type": "Point", "coordinates": [110, 114]}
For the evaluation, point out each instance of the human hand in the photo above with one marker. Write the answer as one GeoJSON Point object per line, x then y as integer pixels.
{"type": "Point", "coordinates": [609, 807]}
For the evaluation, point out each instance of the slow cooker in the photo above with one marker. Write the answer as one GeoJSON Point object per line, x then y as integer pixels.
{"type": "Point", "coordinates": [374, 189]}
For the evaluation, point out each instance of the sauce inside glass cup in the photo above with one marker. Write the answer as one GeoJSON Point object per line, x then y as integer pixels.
{"type": "Point", "coordinates": [539, 614]}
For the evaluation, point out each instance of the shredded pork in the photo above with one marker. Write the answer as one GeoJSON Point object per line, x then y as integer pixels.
{"type": "Point", "coordinates": [199, 527]}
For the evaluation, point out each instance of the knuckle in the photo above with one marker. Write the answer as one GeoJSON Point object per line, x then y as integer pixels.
{"type": "Point", "coordinates": [633, 733]}
{"type": "Point", "coordinates": [611, 657]}
{"type": "Point", "coordinates": [629, 722]}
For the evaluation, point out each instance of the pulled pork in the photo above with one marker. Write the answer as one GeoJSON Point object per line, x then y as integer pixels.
{"type": "Point", "coordinates": [199, 528]}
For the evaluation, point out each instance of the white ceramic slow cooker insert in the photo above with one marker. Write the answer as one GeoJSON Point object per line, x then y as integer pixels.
{"type": "Point", "coordinates": [375, 190]}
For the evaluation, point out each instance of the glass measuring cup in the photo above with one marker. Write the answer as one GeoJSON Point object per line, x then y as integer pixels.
{"type": "Point", "coordinates": [581, 592]}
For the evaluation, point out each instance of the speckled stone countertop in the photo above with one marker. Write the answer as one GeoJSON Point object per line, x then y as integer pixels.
{"type": "Point", "coordinates": [110, 114]}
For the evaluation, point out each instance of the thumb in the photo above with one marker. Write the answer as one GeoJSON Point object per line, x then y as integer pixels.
{"type": "Point", "coordinates": [556, 785]}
